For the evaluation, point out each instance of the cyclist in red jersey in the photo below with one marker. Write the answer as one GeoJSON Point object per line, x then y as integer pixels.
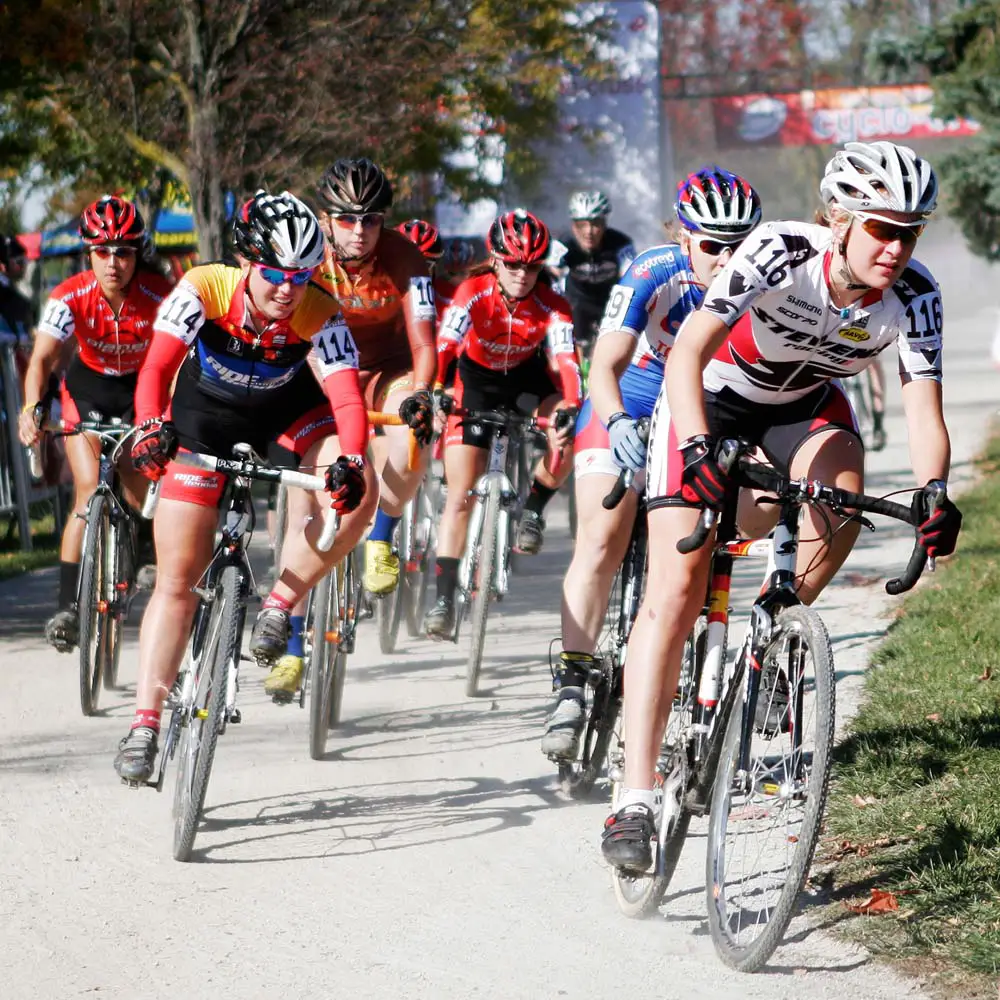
{"type": "Point", "coordinates": [385, 291]}
{"type": "Point", "coordinates": [501, 324]}
{"type": "Point", "coordinates": [234, 342]}
{"type": "Point", "coordinates": [428, 241]}
{"type": "Point", "coordinates": [108, 310]}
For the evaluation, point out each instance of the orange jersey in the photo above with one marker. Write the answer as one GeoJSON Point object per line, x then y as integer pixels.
{"type": "Point", "coordinates": [109, 344]}
{"type": "Point", "coordinates": [388, 302]}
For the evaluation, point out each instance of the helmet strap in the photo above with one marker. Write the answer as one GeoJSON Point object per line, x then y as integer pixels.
{"type": "Point", "coordinates": [851, 282]}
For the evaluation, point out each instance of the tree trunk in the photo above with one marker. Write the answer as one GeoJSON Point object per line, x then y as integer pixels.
{"type": "Point", "coordinates": [203, 174]}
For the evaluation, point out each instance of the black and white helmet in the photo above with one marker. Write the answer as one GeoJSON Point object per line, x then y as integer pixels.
{"type": "Point", "coordinates": [588, 205]}
{"type": "Point", "coordinates": [879, 176]}
{"type": "Point", "coordinates": [278, 230]}
{"type": "Point", "coordinates": [354, 185]}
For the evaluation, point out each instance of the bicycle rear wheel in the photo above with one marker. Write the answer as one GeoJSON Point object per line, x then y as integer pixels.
{"type": "Point", "coordinates": [414, 546]}
{"type": "Point", "coordinates": [123, 562]}
{"type": "Point", "coordinates": [765, 821]}
{"type": "Point", "coordinates": [96, 588]}
{"type": "Point", "coordinates": [389, 609]}
{"type": "Point", "coordinates": [482, 587]}
{"type": "Point", "coordinates": [207, 705]}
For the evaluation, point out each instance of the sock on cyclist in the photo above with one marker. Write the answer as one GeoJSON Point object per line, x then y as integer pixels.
{"type": "Point", "coordinates": [573, 670]}
{"type": "Point", "coordinates": [383, 527]}
{"type": "Point", "coordinates": [146, 717]}
{"type": "Point", "coordinates": [295, 645]}
{"type": "Point", "coordinates": [68, 575]}
{"type": "Point", "coordinates": [273, 600]}
{"type": "Point", "coordinates": [447, 577]}
{"type": "Point", "coordinates": [636, 796]}
{"type": "Point", "coordinates": [539, 496]}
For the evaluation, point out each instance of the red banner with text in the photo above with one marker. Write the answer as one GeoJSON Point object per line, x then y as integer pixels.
{"type": "Point", "coordinates": [816, 117]}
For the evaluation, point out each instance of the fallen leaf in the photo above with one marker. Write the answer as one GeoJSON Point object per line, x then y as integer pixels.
{"type": "Point", "coordinates": [985, 675]}
{"type": "Point", "coordinates": [864, 800]}
{"type": "Point", "coordinates": [881, 901]}
{"type": "Point", "coordinates": [933, 717]}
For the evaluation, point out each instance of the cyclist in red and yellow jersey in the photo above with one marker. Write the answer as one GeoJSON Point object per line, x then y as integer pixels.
{"type": "Point", "coordinates": [385, 291]}
{"type": "Point", "coordinates": [108, 310]}
{"type": "Point", "coordinates": [236, 338]}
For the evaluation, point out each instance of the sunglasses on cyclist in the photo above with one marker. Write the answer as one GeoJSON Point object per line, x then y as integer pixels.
{"type": "Point", "coordinates": [518, 266]}
{"type": "Point", "coordinates": [716, 247]}
{"type": "Point", "coordinates": [278, 276]}
{"type": "Point", "coordinates": [887, 231]}
{"type": "Point", "coordinates": [105, 252]}
{"type": "Point", "coordinates": [349, 220]}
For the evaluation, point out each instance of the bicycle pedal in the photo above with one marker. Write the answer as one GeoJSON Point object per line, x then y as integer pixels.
{"type": "Point", "coordinates": [235, 716]}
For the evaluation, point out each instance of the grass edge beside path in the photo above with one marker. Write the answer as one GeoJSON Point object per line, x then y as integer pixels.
{"type": "Point", "coordinates": [44, 545]}
{"type": "Point", "coordinates": [914, 808]}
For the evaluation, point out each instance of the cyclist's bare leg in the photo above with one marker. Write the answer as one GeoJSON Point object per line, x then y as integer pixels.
{"type": "Point", "coordinates": [391, 455]}
{"type": "Point", "coordinates": [303, 564]}
{"type": "Point", "coordinates": [83, 454]}
{"type": "Point", "coordinates": [675, 593]}
{"type": "Point", "coordinates": [463, 465]}
{"type": "Point", "coordinates": [134, 483]}
{"type": "Point", "coordinates": [185, 539]}
{"type": "Point", "coordinates": [602, 538]}
{"type": "Point", "coordinates": [876, 375]}
{"type": "Point", "coordinates": [835, 457]}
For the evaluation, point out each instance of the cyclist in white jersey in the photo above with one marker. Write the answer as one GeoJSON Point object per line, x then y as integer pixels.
{"type": "Point", "coordinates": [716, 210]}
{"type": "Point", "coordinates": [797, 307]}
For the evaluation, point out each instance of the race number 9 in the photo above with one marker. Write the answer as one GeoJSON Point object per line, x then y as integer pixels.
{"type": "Point", "coordinates": [617, 308]}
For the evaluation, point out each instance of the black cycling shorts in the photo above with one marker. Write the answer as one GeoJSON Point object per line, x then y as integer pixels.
{"type": "Point", "coordinates": [89, 395]}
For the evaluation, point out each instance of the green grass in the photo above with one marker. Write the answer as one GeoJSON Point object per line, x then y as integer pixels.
{"type": "Point", "coordinates": [45, 545]}
{"type": "Point", "coordinates": [924, 754]}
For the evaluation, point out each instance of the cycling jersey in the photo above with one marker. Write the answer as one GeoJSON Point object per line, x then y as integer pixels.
{"type": "Point", "coordinates": [592, 274]}
{"type": "Point", "coordinates": [650, 302]}
{"type": "Point", "coordinates": [787, 337]}
{"type": "Point", "coordinates": [207, 319]}
{"type": "Point", "coordinates": [108, 343]}
{"type": "Point", "coordinates": [444, 292]}
{"type": "Point", "coordinates": [388, 302]}
{"type": "Point", "coordinates": [480, 325]}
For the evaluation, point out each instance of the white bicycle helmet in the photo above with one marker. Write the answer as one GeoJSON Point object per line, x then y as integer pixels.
{"type": "Point", "coordinates": [588, 205]}
{"type": "Point", "coordinates": [879, 176]}
{"type": "Point", "coordinates": [717, 202]}
{"type": "Point", "coordinates": [278, 231]}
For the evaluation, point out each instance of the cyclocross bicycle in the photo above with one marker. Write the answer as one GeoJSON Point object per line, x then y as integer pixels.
{"type": "Point", "coordinates": [209, 679]}
{"type": "Point", "coordinates": [752, 747]}
{"type": "Point", "coordinates": [604, 685]}
{"type": "Point", "coordinates": [484, 570]}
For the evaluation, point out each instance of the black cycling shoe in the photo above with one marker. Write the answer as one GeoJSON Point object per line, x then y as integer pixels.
{"type": "Point", "coordinates": [137, 755]}
{"type": "Point", "coordinates": [627, 838]}
{"type": "Point", "coordinates": [62, 630]}
{"type": "Point", "coordinates": [530, 533]}
{"type": "Point", "coordinates": [439, 622]}
{"type": "Point", "coordinates": [771, 715]}
{"type": "Point", "coordinates": [271, 633]}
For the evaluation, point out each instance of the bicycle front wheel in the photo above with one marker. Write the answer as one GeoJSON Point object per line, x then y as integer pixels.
{"type": "Point", "coordinates": [326, 662]}
{"type": "Point", "coordinates": [96, 586]}
{"type": "Point", "coordinates": [389, 607]}
{"type": "Point", "coordinates": [203, 718]}
{"type": "Point", "coordinates": [482, 587]}
{"type": "Point", "coordinates": [765, 820]}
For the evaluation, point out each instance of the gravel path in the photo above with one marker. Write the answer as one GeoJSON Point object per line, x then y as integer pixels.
{"type": "Point", "coordinates": [430, 855]}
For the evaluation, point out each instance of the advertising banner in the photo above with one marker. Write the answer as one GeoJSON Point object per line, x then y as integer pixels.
{"type": "Point", "coordinates": [818, 117]}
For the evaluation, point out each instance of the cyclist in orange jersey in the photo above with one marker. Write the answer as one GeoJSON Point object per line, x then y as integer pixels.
{"type": "Point", "coordinates": [386, 293]}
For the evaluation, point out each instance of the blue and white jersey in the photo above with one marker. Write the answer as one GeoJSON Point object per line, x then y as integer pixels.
{"type": "Point", "coordinates": [650, 302]}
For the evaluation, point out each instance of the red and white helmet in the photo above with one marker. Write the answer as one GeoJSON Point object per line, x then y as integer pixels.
{"type": "Point", "coordinates": [111, 220]}
{"type": "Point", "coordinates": [424, 235]}
{"type": "Point", "coordinates": [518, 237]}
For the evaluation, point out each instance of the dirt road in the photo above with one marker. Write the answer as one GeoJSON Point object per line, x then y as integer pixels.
{"type": "Point", "coordinates": [430, 855]}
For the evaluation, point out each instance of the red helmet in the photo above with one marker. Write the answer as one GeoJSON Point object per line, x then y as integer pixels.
{"type": "Point", "coordinates": [111, 220]}
{"type": "Point", "coordinates": [424, 235]}
{"type": "Point", "coordinates": [518, 237]}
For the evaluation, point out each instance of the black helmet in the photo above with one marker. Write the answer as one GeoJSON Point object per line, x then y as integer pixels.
{"type": "Point", "coordinates": [355, 185]}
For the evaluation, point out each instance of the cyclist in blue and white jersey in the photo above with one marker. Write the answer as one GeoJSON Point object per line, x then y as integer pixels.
{"type": "Point", "coordinates": [716, 211]}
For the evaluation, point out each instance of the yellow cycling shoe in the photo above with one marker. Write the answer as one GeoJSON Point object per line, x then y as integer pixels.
{"type": "Point", "coordinates": [283, 680]}
{"type": "Point", "coordinates": [381, 568]}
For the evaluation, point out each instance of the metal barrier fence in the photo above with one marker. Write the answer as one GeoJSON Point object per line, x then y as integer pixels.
{"type": "Point", "coordinates": [18, 491]}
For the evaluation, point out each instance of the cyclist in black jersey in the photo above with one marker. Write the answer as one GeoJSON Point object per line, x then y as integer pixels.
{"type": "Point", "coordinates": [596, 257]}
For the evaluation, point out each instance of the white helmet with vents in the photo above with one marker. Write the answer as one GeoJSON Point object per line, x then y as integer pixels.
{"type": "Point", "coordinates": [880, 176]}
{"type": "Point", "coordinates": [588, 205]}
{"type": "Point", "coordinates": [279, 231]}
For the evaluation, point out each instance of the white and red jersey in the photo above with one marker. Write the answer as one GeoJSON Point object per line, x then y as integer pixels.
{"type": "Point", "coordinates": [109, 344]}
{"type": "Point", "coordinates": [480, 324]}
{"type": "Point", "coordinates": [786, 335]}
